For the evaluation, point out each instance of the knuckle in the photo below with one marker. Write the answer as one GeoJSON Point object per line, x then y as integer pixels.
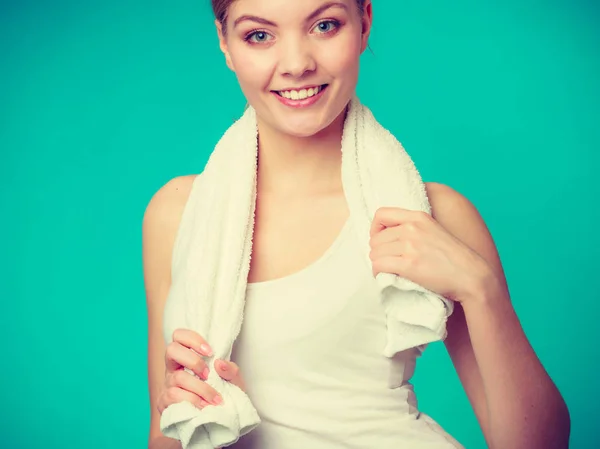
{"type": "Point", "coordinates": [179, 377]}
{"type": "Point", "coordinates": [420, 214]}
{"type": "Point", "coordinates": [198, 365]}
{"type": "Point", "coordinates": [410, 257]}
{"type": "Point", "coordinates": [170, 351]}
{"type": "Point", "coordinates": [170, 395]}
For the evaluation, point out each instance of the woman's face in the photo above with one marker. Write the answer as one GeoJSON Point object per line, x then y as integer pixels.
{"type": "Point", "coordinates": [296, 61]}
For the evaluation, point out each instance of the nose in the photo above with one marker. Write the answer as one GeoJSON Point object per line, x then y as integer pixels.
{"type": "Point", "coordinates": [296, 58]}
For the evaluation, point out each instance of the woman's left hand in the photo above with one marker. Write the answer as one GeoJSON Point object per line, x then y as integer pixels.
{"type": "Point", "coordinates": [413, 245]}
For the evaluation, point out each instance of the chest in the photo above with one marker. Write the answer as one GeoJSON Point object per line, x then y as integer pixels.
{"type": "Point", "coordinates": [291, 235]}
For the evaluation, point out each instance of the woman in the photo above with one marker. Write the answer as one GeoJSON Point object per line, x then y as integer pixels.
{"type": "Point", "coordinates": [316, 375]}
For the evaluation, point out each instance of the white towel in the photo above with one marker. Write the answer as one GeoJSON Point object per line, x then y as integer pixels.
{"type": "Point", "coordinates": [211, 260]}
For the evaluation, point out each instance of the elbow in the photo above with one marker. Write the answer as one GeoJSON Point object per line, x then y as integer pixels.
{"type": "Point", "coordinates": [547, 429]}
{"type": "Point", "coordinates": [555, 424]}
{"type": "Point", "coordinates": [558, 432]}
{"type": "Point", "coordinates": [564, 425]}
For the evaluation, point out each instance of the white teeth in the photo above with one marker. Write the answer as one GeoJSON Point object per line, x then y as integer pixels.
{"type": "Point", "coordinates": [300, 94]}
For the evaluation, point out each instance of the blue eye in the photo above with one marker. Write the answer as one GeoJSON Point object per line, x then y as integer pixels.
{"type": "Point", "coordinates": [327, 26]}
{"type": "Point", "coordinates": [257, 36]}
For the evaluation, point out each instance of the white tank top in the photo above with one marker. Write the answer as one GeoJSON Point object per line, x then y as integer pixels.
{"type": "Point", "coordinates": [310, 350]}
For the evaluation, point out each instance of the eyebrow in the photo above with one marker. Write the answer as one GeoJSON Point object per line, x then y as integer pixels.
{"type": "Point", "coordinates": [312, 15]}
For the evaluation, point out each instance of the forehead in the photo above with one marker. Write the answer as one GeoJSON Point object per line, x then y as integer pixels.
{"type": "Point", "coordinates": [287, 9]}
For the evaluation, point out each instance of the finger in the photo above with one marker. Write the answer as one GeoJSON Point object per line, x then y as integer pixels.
{"type": "Point", "coordinates": [194, 385]}
{"type": "Point", "coordinates": [394, 265]}
{"type": "Point", "coordinates": [192, 340]}
{"type": "Point", "coordinates": [176, 394]}
{"type": "Point", "coordinates": [178, 356]}
{"type": "Point", "coordinates": [394, 216]}
{"type": "Point", "coordinates": [385, 217]}
{"type": "Point", "coordinates": [229, 371]}
{"type": "Point", "coordinates": [386, 235]}
{"type": "Point", "coordinates": [390, 249]}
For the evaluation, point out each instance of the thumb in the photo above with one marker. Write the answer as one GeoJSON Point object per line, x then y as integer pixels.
{"type": "Point", "coordinates": [230, 372]}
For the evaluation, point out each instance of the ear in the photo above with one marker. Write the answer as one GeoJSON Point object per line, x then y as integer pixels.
{"type": "Point", "coordinates": [367, 21]}
{"type": "Point", "coordinates": [223, 45]}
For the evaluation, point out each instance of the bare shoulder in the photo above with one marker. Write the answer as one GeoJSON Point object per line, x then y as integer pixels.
{"type": "Point", "coordinates": [444, 198]}
{"type": "Point", "coordinates": [459, 216]}
{"type": "Point", "coordinates": [159, 228]}
{"type": "Point", "coordinates": [167, 203]}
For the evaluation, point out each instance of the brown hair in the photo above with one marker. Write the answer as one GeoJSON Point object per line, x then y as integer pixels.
{"type": "Point", "coordinates": [220, 8]}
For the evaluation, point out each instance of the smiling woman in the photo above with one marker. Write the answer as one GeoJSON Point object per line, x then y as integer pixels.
{"type": "Point", "coordinates": [309, 352]}
{"type": "Point", "coordinates": [275, 51]}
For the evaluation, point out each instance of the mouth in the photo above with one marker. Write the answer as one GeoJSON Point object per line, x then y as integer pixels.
{"type": "Point", "coordinates": [301, 98]}
{"type": "Point", "coordinates": [301, 94]}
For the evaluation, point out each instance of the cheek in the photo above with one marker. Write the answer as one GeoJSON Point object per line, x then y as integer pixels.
{"type": "Point", "coordinates": [344, 64]}
{"type": "Point", "coordinates": [251, 68]}
{"type": "Point", "coordinates": [342, 57]}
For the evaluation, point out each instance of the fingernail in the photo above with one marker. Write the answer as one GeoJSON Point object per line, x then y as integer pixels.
{"type": "Point", "coordinates": [205, 373]}
{"type": "Point", "coordinates": [206, 349]}
{"type": "Point", "coordinates": [217, 400]}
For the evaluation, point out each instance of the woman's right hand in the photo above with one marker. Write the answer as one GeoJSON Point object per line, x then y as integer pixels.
{"type": "Point", "coordinates": [182, 386]}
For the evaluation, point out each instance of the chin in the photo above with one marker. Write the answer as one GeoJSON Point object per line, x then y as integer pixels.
{"type": "Point", "coordinates": [302, 130]}
{"type": "Point", "coordinates": [306, 126]}
{"type": "Point", "coordinates": [306, 130]}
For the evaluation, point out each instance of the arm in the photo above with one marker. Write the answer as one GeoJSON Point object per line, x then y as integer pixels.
{"type": "Point", "coordinates": [159, 228]}
{"type": "Point", "coordinates": [163, 442]}
{"type": "Point", "coordinates": [514, 399]}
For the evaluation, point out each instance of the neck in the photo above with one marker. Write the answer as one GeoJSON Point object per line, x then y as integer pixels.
{"type": "Point", "coordinates": [291, 166]}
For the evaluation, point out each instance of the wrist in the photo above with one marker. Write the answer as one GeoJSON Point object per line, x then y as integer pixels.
{"type": "Point", "coordinates": [484, 290]}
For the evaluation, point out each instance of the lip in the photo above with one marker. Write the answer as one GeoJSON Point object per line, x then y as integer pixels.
{"type": "Point", "coordinates": [301, 103]}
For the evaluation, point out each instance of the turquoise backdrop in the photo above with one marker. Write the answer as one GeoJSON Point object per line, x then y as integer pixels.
{"type": "Point", "coordinates": [102, 102]}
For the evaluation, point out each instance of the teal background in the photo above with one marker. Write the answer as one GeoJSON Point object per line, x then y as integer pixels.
{"type": "Point", "coordinates": [102, 102]}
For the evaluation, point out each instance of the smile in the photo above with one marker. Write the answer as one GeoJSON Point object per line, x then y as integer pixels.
{"type": "Point", "coordinates": [300, 98]}
{"type": "Point", "coordinates": [300, 94]}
